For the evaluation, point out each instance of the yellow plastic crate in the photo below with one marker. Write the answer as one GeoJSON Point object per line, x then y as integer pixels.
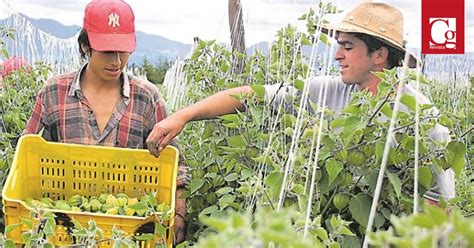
{"type": "Point", "coordinates": [58, 171]}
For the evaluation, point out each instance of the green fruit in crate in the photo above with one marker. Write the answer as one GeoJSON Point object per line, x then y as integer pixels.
{"type": "Point", "coordinates": [356, 158]}
{"type": "Point", "coordinates": [340, 201]}
{"type": "Point", "coordinates": [86, 207]}
{"type": "Point", "coordinates": [132, 201]}
{"type": "Point", "coordinates": [112, 210]}
{"type": "Point", "coordinates": [121, 202]}
{"type": "Point", "coordinates": [62, 205]}
{"type": "Point", "coordinates": [122, 195]}
{"type": "Point", "coordinates": [129, 211]}
{"type": "Point", "coordinates": [106, 207]}
{"type": "Point", "coordinates": [76, 209]}
{"type": "Point", "coordinates": [111, 200]}
{"type": "Point", "coordinates": [346, 179]}
{"type": "Point", "coordinates": [102, 198]}
{"type": "Point", "coordinates": [341, 155]}
{"type": "Point", "coordinates": [95, 205]}
{"type": "Point", "coordinates": [75, 200]}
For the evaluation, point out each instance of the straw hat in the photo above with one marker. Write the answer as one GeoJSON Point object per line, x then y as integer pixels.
{"type": "Point", "coordinates": [380, 20]}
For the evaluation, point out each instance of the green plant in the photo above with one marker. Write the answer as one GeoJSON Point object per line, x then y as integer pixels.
{"type": "Point", "coordinates": [267, 227]}
{"type": "Point", "coordinates": [432, 228]}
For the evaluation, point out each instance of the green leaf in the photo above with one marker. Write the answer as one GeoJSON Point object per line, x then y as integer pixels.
{"type": "Point", "coordinates": [438, 215]}
{"type": "Point", "coordinates": [334, 244]}
{"type": "Point", "coordinates": [196, 184]}
{"type": "Point", "coordinates": [333, 168]}
{"type": "Point", "coordinates": [423, 220]}
{"type": "Point", "coordinates": [49, 227]}
{"type": "Point", "coordinates": [425, 177]}
{"type": "Point", "coordinates": [11, 227]}
{"type": "Point", "coordinates": [322, 233]}
{"type": "Point", "coordinates": [305, 41]}
{"type": "Point", "coordinates": [231, 177]}
{"type": "Point", "coordinates": [334, 222]}
{"type": "Point", "coordinates": [409, 101]}
{"type": "Point", "coordinates": [337, 122]}
{"type": "Point", "coordinates": [9, 243]}
{"type": "Point", "coordinates": [208, 210]}
{"type": "Point", "coordinates": [139, 206]}
{"type": "Point", "coordinates": [160, 229]}
{"type": "Point", "coordinates": [359, 206]}
{"type": "Point", "coordinates": [273, 182]}
{"type": "Point", "coordinates": [144, 237]}
{"type": "Point", "coordinates": [396, 183]}
{"type": "Point", "coordinates": [259, 90]}
{"type": "Point", "coordinates": [346, 231]}
{"type": "Point", "coordinates": [353, 123]}
{"type": "Point", "coordinates": [237, 141]}
{"type": "Point", "coordinates": [224, 66]}
{"type": "Point", "coordinates": [455, 152]}
{"type": "Point", "coordinates": [352, 109]}
{"type": "Point", "coordinates": [223, 191]}
{"type": "Point", "coordinates": [324, 38]}
{"type": "Point", "coordinates": [246, 174]}
{"type": "Point", "coordinates": [387, 110]}
{"type": "Point", "coordinates": [445, 121]}
{"type": "Point", "coordinates": [225, 200]}
{"type": "Point", "coordinates": [234, 118]}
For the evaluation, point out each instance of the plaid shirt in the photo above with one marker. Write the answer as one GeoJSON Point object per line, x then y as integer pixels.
{"type": "Point", "coordinates": [64, 115]}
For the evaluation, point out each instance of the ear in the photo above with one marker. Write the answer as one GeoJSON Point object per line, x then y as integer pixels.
{"type": "Point", "coordinates": [85, 49]}
{"type": "Point", "coordinates": [380, 56]}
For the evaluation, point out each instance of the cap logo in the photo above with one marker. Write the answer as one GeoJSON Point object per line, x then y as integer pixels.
{"type": "Point", "coordinates": [114, 20]}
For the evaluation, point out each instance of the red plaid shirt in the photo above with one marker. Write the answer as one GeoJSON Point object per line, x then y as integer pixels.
{"type": "Point", "coordinates": [64, 115]}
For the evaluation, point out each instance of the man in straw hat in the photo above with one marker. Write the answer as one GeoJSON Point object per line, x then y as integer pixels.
{"type": "Point", "coordinates": [100, 104]}
{"type": "Point", "coordinates": [370, 38]}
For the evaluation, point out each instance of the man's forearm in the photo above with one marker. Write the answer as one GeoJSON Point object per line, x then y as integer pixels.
{"type": "Point", "coordinates": [216, 105]}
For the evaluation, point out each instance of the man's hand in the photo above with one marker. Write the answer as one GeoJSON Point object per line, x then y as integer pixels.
{"type": "Point", "coordinates": [163, 132]}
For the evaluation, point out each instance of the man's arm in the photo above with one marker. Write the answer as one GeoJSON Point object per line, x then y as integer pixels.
{"type": "Point", "coordinates": [213, 106]}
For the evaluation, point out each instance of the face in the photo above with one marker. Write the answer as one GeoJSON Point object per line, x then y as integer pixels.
{"type": "Point", "coordinates": [108, 65]}
{"type": "Point", "coordinates": [355, 64]}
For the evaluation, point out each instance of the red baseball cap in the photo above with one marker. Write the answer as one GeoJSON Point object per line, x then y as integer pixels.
{"type": "Point", "coordinates": [12, 64]}
{"type": "Point", "coordinates": [110, 25]}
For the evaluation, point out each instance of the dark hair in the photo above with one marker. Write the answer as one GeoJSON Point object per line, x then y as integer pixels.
{"type": "Point", "coordinates": [395, 55]}
{"type": "Point", "coordinates": [83, 39]}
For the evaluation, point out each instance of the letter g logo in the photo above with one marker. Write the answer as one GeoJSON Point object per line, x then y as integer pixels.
{"type": "Point", "coordinates": [443, 32]}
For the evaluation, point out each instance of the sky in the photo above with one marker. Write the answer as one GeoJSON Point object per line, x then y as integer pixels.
{"type": "Point", "coordinates": [182, 20]}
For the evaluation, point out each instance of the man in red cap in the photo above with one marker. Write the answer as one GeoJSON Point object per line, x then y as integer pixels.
{"type": "Point", "coordinates": [100, 104]}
